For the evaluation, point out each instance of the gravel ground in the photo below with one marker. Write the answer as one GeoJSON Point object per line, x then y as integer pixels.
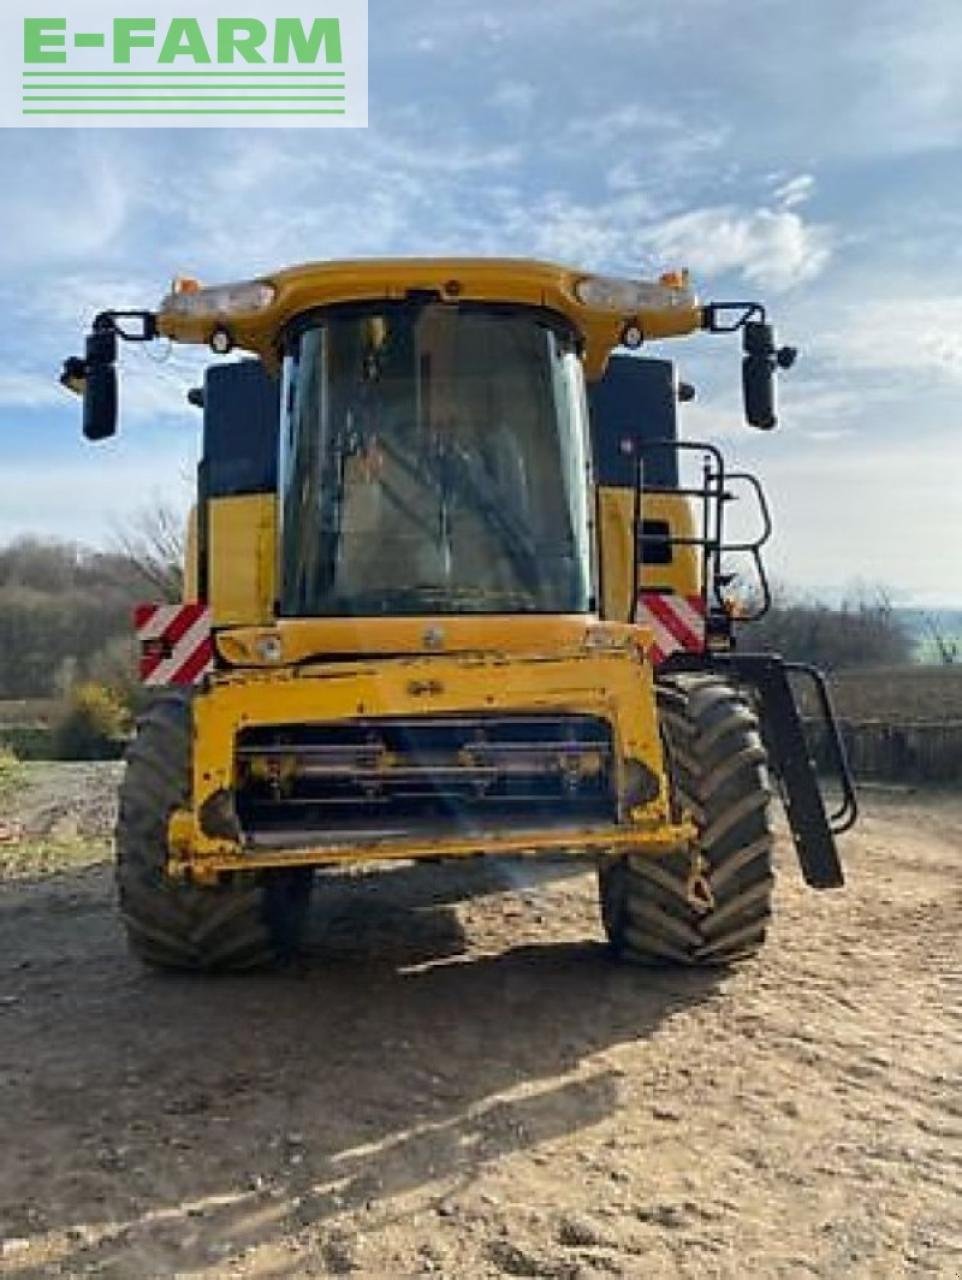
{"type": "Point", "coordinates": [458, 1082]}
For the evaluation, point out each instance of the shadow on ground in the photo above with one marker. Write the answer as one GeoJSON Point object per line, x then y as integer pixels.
{"type": "Point", "coordinates": [158, 1119]}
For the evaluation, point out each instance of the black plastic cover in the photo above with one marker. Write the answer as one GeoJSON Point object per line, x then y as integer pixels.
{"type": "Point", "coordinates": [241, 429]}
{"type": "Point", "coordinates": [635, 401]}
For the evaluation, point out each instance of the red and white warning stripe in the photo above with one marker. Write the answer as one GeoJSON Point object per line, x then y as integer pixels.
{"type": "Point", "coordinates": [175, 643]}
{"type": "Point", "coordinates": [677, 622]}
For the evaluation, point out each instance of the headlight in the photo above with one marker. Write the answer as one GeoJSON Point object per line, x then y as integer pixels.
{"type": "Point", "coordinates": [270, 647]}
{"type": "Point", "coordinates": [608, 293]}
{"type": "Point", "coordinates": [222, 300]}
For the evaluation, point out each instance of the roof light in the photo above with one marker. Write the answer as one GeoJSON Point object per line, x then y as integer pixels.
{"type": "Point", "coordinates": [609, 293]}
{"type": "Point", "coordinates": [221, 300]}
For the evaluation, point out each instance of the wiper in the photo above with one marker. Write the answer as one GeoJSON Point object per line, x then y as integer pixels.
{"type": "Point", "coordinates": [492, 505]}
{"type": "Point", "coordinates": [452, 470]}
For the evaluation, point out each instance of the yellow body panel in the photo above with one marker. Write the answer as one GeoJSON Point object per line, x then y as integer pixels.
{"type": "Point", "coordinates": [616, 686]}
{"type": "Point", "coordinates": [647, 836]}
{"type": "Point", "coordinates": [243, 541]}
{"type": "Point", "coordinates": [537, 284]}
{"type": "Point", "coordinates": [616, 550]}
{"type": "Point", "coordinates": [302, 639]}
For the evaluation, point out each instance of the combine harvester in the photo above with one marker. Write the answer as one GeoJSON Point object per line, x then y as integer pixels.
{"type": "Point", "coordinates": [443, 603]}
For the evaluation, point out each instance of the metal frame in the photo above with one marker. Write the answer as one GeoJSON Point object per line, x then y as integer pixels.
{"type": "Point", "coordinates": [714, 495]}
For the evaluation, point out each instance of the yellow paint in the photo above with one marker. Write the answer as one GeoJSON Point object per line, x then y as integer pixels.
{"type": "Point", "coordinates": [646, 837]}
{"type": "Point", "coordinates": [616, 517]}
{"type": "Point", "coordinates": [243, 538]}
{"type": "Point", "coordinates": [616, 685]}
{"type": "Point", "coordinates": [538, 284]}
{"type": "Point", "coordinates": [304, 638]}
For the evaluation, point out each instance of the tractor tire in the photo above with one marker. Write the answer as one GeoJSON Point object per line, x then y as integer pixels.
{"type": "Point", "coordinates": [245, 921]}
{"type": "Point", "coordinates": [718, 774]}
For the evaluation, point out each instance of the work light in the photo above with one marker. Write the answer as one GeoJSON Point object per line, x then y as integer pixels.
{"type": "Point", "coordinates": [610, 293]}
{"type": "Point", "coordinates": [221, 300]}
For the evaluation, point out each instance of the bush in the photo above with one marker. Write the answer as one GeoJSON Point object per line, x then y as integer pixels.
{"type": "Point", "coordinates": [93, 726]}
{"type": "Point", "coordinates": [26, 742]}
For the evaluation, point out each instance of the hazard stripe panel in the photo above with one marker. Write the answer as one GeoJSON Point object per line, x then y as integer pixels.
{"type": "Point", "coordinates": [175, 643]}
{"type": "Point", "coordinates": [677, 622]}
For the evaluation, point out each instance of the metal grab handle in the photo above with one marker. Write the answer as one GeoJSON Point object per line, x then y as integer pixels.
{"type": "Point", "coordinates": [767, 525]}
{"type": "Point", "coordinates": [846, 815]}
{"type": "Point", "coordinates": [714, 495]}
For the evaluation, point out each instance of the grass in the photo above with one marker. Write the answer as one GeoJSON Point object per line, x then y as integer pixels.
{"type": "Point", "coordinates": [34, 857]}
{"type": "Point", "coordinates": [899, 695]}
{"type": "Point", "coordinates": [11, 773]}
{"type": "Point", "coordinates": [24, 856]}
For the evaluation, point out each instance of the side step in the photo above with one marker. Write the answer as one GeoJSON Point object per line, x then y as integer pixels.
{"type": "Point", "coordinates": [813, 829]}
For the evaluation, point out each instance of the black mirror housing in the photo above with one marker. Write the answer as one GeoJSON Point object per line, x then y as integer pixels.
{"type": "Point", "coordinates": [758, 389]}
{"type": "Point", "coordinates": [758, 375]}
{"type": "Point", "coordinates": [100, 402]}
{"type": "Point", "coordinates": [100, 384]}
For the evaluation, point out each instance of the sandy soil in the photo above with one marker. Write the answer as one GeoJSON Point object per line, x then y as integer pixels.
{"type": "Point", "coordinates": [458, 1082]}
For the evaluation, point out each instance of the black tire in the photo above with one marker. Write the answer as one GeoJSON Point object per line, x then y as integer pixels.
{"type": "Point", "coordinates": [718, 772]}
{"type": "Point", "coordinates": [243, 922]}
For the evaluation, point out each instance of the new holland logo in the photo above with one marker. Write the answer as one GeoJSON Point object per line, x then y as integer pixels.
{"type": "Point", "coordinates": [150, 64]}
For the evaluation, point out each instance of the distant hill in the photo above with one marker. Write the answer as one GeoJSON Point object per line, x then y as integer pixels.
{"type": "Point", "coordinates": [928, 626]}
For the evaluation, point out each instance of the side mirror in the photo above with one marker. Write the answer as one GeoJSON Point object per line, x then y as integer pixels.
{"type": "Point", "coordinates": [758, 389]}
{"type": "Point", "coordinates": [100, 402]}
{"type": "Point", "coordinates": [761, 360]}
{"type": "Point", "coordinates": [100, 385]}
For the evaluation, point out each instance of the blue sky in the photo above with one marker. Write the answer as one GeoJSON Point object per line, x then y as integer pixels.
{"type": "Point", "coordinates": [809, 154]}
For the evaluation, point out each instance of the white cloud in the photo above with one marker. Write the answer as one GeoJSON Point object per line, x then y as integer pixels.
{"type": "Point", "coordinates": [795, 191]}
{"type": "Point", "coordinates": [660, 137]}
{"type": "Point", "coordinates": [86, 497]}
{"type": "Point", "coordinates": [911, 337]}
{"type": "Point", "coordinates": [515, 96]}
{"type": "Point", "coordinates": [21, 390]}
{"type": "Point", "coordinates": [74, 299]}
{"type": "Point", "coordinates": [63, 207]}
{"type": "Point", "coordinates": [906, 91]}
{"type": "Point", "coordinates": [775, 249]}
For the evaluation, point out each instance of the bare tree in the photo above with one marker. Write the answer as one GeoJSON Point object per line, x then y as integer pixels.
{"type": "Point", "coordinates": [862, 630]}
{"type": "Point", "coordinates": [947, 649]}
{"type": "Point", "coordinates": [154, 541]}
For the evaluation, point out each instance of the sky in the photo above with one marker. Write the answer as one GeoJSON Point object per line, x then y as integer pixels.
{"type": "Point", "coordinates": [806, 155]}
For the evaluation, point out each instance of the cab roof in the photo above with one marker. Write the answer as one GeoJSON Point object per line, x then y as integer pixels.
{"type": "Point", "coordinates": [255, 314]}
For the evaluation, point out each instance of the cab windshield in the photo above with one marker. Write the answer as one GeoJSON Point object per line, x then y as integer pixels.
{"type": "Point", "coordinates": [434, 461]}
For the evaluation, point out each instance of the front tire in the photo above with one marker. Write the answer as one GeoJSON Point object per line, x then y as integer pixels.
{"type": "Point", "coordinates": [718, 774]}
{"type": "Point", "coordinates": [245, 921]}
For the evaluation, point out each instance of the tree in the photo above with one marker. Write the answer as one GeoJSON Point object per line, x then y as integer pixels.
{"type": "Point", "coordinates": [154, 542]}
{"type": "Point", "coordinates": [66, 611]}
{"type": "Point", "coordinates": [947, 648]}
{"type": "Point", "coordinates": [864, 630]}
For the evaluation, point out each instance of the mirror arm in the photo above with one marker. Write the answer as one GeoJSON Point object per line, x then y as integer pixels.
{"type": "Point", "coordinates": [101, 344]}
{"type": "Point", "coordinates": [112, 322]}
{"type": "Point", "coordinates": [729, 317]}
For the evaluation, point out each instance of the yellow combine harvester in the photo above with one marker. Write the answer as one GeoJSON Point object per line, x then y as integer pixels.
{"type": "Point", "coordinates": [437, 608]}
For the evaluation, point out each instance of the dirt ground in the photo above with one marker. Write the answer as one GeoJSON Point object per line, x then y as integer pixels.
{"type": "Point", "coordinates": [458, 1082]}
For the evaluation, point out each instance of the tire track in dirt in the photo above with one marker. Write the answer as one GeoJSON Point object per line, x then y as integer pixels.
{"type": "Point", "coordinates": [459, 1083]}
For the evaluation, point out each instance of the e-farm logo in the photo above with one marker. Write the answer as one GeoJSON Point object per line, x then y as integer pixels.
{"type": "Point", "coordinates": [137, 64]}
